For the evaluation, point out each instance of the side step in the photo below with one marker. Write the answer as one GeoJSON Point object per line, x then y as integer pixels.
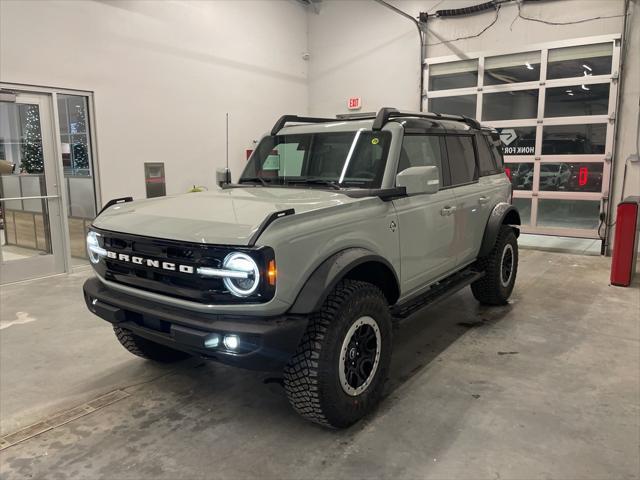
{"type": "Point", "coordinates": [438, 292]}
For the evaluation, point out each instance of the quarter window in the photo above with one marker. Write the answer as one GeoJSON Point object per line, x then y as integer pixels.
{"type": "Point", "coordinates": [486, 162]}
{"type": "Point", "coordinates": [462, 159]}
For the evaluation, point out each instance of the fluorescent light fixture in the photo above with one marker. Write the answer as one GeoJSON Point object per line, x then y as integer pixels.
{"type": "Point", "coordinates": [587, 67]}
{"type": "Point", "coordinates": [348, 160]}
{"type": "Point", "coordinates": [584, 87]}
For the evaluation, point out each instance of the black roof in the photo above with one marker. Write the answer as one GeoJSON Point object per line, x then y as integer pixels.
{"type": "Point", "coordinates": [382, 117]}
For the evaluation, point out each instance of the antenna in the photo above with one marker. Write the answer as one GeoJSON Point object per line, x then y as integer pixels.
{"type": "Point", "coordinates": [227, 115]}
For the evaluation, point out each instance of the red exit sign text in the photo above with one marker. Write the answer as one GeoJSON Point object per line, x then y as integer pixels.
{"type": "Point", "coordinates": [354, 103]}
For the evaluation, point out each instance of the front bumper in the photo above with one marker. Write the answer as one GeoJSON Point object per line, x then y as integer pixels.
{"type": "Point", "coordinates": [266, 343]}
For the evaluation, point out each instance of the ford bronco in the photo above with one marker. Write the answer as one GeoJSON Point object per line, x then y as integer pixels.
{"type": "Point", "coordinates": [336, 227]}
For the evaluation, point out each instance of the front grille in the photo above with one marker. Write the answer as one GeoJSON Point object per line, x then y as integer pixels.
{"type": "Point", "coordinates": [188, 286]}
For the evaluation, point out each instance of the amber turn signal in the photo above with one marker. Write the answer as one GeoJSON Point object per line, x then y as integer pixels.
{"type": "Point", "coordinates": [272, 273]}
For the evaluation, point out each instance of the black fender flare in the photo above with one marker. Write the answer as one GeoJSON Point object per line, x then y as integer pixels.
{"type": "Point", "coordinates": [324, 278]}
{"type": "Point", "coordinates": [502, 213]}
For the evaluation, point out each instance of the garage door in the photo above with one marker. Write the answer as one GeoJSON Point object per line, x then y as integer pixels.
{"type": "Point", "coordinates": [554, 106]}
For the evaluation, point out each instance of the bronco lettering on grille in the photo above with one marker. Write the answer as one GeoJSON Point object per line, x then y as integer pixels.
{"type": "Point", "coordinates": [148, 262]}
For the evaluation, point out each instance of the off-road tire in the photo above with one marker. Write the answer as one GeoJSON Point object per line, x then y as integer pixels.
{"type": "Point", "coordinates": [492, 289]}
{"type": "Point", "coordinates": [147, 349]}
{"type": "Point", "coordinates": [312, 377]}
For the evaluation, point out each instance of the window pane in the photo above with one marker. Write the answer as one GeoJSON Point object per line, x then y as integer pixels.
{"type": "Point", "coordinates": [571, 177]}
{"type": "Point", "coordinates": [577, 100]}
{"type": "Point", "coordinates": [510, 105]}
{"type": "Point", "coordinates": [486, 162]}
{"type": "Point", "coordinates": [568, 213]}
{"type": "Point", "coordinates": [524, 208]}
{"type": "Point", "coordinates": [519, 67]}
{"type": "Point", "coordinates": [73, 115]}
{"type": "Point", "coordinates": [458, 105]}
{"type": "Point", "coordinates": [580, 61]}
{"type": "Point", "coordinates": [421, 151]}
{"type": "Point", "coordinates": [574, 139]}
{"type": "Point", "coordinates": [518, 141]}
{"type": "Point", "coordinates": [443, 76]}
{"type": "Point", "coordinates": [520, 174]}
{"type": "Point", "coordinates": [462, 162]}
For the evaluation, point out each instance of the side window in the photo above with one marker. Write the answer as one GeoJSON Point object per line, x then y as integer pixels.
{"type": "Point", "coordinates": [462, 159]}
{"type": "Point", "coordinates": [422, 151]}
{"type": "Point", "coordinates": [486, 161]}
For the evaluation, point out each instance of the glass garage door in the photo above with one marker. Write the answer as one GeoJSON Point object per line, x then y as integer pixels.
{"type": "Point", "coordinates": [555, 109]}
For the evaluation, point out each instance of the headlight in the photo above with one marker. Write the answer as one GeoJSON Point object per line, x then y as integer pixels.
{"type": "Point", "coordinates": [94, 249]}
{"type": "Point", "coordinates": [241, 262]}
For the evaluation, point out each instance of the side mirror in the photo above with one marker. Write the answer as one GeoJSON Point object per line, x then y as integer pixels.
{"type": "Point", "coordinates": [418, 180]}
{"type": "Point", "coordinates": [223, 177]}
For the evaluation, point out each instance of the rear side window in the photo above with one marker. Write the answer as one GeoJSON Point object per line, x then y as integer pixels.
{"type": "Point", "coordinates": [422, 151]}
{"type": "Point", "coordinates": [462, 159]}
{"type": "Point", "coordinates": [486, 160]}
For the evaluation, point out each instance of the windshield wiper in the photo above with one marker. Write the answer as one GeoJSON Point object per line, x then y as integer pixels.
{"type": "Point", "coordinates": [254, 180]}
{"type": "Point", "coordinates": [316, 181]}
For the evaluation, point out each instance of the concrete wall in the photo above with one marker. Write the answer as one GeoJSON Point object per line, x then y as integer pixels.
{"type": "Point", "coordinates": [164, 73]}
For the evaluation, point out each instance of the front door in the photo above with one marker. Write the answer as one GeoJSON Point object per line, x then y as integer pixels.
{"type": "Point", "coordinates": [426, 222]}
{"type": "Point", "coordinates": [31, 231]}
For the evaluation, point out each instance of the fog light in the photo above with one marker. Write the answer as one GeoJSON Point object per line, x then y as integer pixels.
{"type": "Point", "coordinates": [231, 341]}
{"type": "Point", "coordinates": [212, 341]}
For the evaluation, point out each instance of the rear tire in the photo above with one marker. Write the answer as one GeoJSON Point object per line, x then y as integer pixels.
{"type": "Point", "coordinates": [500, 267]}
{"type": "Point", "coordinates": [147, 349]}
{"type": "Point", "coordinates": [338, 372]}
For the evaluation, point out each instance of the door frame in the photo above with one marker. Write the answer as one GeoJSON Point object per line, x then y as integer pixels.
{"type": "Point", "coordinates": [52, 94]}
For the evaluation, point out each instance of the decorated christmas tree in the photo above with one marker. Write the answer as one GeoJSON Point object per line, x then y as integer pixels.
{"type": "Point", "coordinates": [32, 160]}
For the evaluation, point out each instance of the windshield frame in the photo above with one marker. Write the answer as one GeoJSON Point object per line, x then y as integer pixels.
{"type": "Point", "coordinates": [253, 173]}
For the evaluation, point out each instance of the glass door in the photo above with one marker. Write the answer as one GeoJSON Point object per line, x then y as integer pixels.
{"type": "Point", "coordinates": [31, 231]}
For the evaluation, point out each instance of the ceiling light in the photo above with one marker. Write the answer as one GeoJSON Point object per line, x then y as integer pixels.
{"type": "Point", "coordinates": [528, 65]}
{"type": "Point", "coordinates": [584, 87]}
{"type": "Point", "coordinates": [587, 67]}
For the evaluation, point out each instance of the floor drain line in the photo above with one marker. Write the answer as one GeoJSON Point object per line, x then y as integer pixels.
{"type": "Point", "coordinates": [61, 418]}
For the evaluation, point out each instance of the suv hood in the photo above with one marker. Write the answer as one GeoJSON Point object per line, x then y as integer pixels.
{"type": "Point", "coordinates": [223, 217]}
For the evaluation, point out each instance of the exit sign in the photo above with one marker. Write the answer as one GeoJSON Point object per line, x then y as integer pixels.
{"type": "Point", "coordinates": [354, 103]}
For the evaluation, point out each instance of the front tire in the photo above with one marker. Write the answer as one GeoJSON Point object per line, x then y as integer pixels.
{"type": "Point", "coordinates": [338, 372]}
{"type": "Point", "coordinates": [146, 348]}
{"type": "Point", "coordinates": [500, 267]}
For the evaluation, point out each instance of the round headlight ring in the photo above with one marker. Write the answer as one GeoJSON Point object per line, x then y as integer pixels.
{"type": "Point", "coordinates": [241, 262]}
{"type": "Point", "coordinates": [93, 247]}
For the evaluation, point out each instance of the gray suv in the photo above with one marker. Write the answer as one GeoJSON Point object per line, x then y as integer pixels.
{"type": "Point", "coordinates": [336, 228]}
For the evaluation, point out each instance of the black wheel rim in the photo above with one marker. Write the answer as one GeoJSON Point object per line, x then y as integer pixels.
{"type": "Point", "coordinates": [506, 265]}
{"type": "Point", "coordinates": [359, 356]}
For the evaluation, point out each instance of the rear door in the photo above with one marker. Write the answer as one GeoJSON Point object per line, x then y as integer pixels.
{"type": "Point", "coordinates": [426, 223]}
{"type": "Point", "coordinates": [471, 200]}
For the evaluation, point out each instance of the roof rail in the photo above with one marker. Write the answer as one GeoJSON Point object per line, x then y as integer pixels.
{"type": "Point", "coordinates": [283, 120]}
{"type": "Point", "coordinates": [381, 118]}
{"type": "Point", "coordinates": [385, 114]}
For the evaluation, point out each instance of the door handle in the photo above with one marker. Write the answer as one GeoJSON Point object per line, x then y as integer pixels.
{"type": "Point", "coordinates": [482, 200]}
{"type": "Point", "coordinates": [446, 211]}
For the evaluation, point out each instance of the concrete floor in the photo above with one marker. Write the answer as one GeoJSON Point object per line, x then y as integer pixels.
{"type": "Point", "coordinates": [547, 387]}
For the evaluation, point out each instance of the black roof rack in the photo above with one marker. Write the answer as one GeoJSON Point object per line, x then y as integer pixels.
{"type": "Point", "coordinates": [381, 118]}
{"type": "Point", "coordinates": [283, 120]}
{"type": "Point", "coordinates": [385, 114]}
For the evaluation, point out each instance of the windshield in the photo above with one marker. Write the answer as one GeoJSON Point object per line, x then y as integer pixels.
{"type": "Point", "coordinates": [332, 159]}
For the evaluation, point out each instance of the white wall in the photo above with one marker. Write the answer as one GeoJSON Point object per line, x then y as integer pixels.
{"type": "Point", "coordinates": [164, 73]}
{"type": "Point", "coordinates": [361, 48]}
